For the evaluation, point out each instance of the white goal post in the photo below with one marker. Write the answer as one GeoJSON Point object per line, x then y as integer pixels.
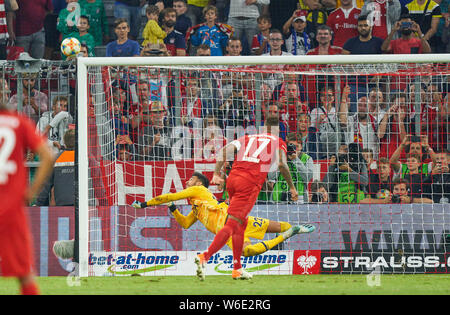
{"type": "Point", "coordinates": [83, 84]}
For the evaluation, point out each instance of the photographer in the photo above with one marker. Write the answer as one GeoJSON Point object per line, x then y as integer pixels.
{"type": "Point", "coordinates": [301, 167]}
{"type": "Point", "coordinates": [347, 176]}
{"type": "Point", "coordinates": [237, 110]}
{"type": "Point", "coordinates": [408, 43]}
{"type": "Point", "coordinates": [401, 193]}
{"type": "Point", "coordinates": [319, 193]}
{"type": "Point", "coordinates": [437, 185]}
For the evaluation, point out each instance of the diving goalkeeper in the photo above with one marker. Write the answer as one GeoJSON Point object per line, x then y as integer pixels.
{"type": "Point", "coordinates": [213, 215]}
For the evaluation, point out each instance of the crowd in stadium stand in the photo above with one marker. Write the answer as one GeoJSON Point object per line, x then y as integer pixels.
{"type": "Point", "coordinates": [374, 152]}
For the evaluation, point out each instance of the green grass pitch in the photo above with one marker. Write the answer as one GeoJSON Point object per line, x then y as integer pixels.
{"type": "Point", "coordinates": [260, 285]}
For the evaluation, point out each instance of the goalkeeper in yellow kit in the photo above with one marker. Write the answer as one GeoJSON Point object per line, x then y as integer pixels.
{"type": "Point", "coordinates": [213, 215]}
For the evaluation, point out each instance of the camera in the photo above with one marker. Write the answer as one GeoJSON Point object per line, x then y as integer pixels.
{"type": "Point", "coordinates": [291, 149]}
{"type": "Point", "coordinates": [406, 24]}
{"type": "Point", "coordinates": [317, 197]}
{"type": "Point", "coordinates": [395, 199]}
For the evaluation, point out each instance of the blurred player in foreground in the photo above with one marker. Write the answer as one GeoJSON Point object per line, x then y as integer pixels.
{"type": "Point", "coordinates": [254, 156]}
{"type": "Point", "coordinates": [212, 214]}
{"type": "Point", "coordinates": [17, 135]}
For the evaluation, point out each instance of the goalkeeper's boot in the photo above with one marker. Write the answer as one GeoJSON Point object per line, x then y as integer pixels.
{"type": "Point", "coordinates": [298, 229]}
{"type": "Point", "coordinates": [200, 261]}
{"type": "Point", "coordinates": [241, 274]}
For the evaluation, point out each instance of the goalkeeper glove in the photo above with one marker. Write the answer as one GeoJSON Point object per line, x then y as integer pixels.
{"type": "Point", "coordinates": [172, 207]}
{"type": "Point", "coordinates": [138, 205]}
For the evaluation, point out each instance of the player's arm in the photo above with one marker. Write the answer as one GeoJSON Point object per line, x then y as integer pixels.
{"type": "Point", "coordinates": [284, 169]}
{"type": "Point", "coordinates": [43, 172]}
{"type": "Point", "coordinates": [165, 198]}
{"type": "Point", "coordinates": [185, 221]}
{"type": "Point", "coordinates": [225, 154]}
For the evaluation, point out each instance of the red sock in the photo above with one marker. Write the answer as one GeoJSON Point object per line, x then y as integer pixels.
{"type": "Point", "coordinates": [221, 238]}
{"type": "Point", "coordinates": [30, 289]}
{"type": "Point", "coordinates": [238, 244]}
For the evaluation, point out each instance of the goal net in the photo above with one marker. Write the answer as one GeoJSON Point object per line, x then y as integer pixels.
{"type": "Point", "coordinates": [367, 146]}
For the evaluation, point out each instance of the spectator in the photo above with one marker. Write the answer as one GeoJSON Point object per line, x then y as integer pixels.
{"type": "Point", "coordinates": [437, 185]}
{"type": "Point", "coordinates": [192, 107]}
{"type": "Point", "coordinates": [68, 18]}
{"type": "Point", "coordinates": [370, 160]}
{"type": "Point", "coordinates": [308, 136]}
{"type": "Point", "coordinates": [243, 17]}
{"type": "Point", "coordinates": [319, 193]}
{"type": "Point", "coordinates": [153, 34]}
{"type": "Point", "coordinates": [324, 37]}
{"type": "Point", "coordinates": [273, 109]}
{"type": "Point", "coordinates": [84, 50]}
{"type": "Point", "coordinates": [394, 126]}
{"type": "Point", "coordinates": [281, 11]}
{"type": "Point", "coordinates": [183, 21]}
{"type": "Point", "coordinates": [445, 37]}
{"type": "Point", "coordinates": [120, 121]}
{"type": "Point", "coordinates": [266, 99]}
{"type": "Point", "coordinates": [60, 189]}
{"type": "Point", "coordinates": [298, 41]}
{"type": "Point", "coordinates": [203, 50]}
{"type": "Point", "coordinates": [324, 118]}
{"type": "Point", "coordinates": [52, 35]}
{"type": "Point", "coordinates": [408, 43]}
{"type": "Point", "coordinates": [130, 10]}
{"type": "Point", "coordinates": [347, 176]}
{"type": "Point", "coordinates": [383, 15]}
{"type": "Point", "coordinates": [413, 170]}
{"type": "Point", "coordinates": [34, 102]}
{"type": "Point", "coordinates": [234, 47]}
{"type": "Point", "coordinates": [124, 149]}
{"type": "Point", "coordinates": [83, 35]}
{"type": "Point", "coordinates": [380, 183]}
{"type": "Point", "coordinates": [301, 167]}
{"type": "Point", "coordinates": [260, 43]}
{"type": "Point", "coordinates": [316, 14]}
{"type": "Point", "coordinates": [122, 47]}
{"type": "Point", "coordinates": [343, 22]}
{"type": "Point", "coordinates": [154, 140]}
{"type": "Point", "coordinates": [364, 43]}
{"type": "Point", "coordinates": [360, 128]}
{"type": "Point", "coordinates": [412, 145]}
{"type": "Point", "coordinates": [289, 96]}
{"type": "Point", "coordinates": [54, 124]}
{"type": "Point", "coordinates": [175, 41]}
{"type": "Point", "coordinates": [99, 28]}
{"type": "Point", "coordinates": [213, 138]}
{"type": "Point", "coordinates": [214, 34]}
{"type": "Point", "coordinates": [238, 109]}
{"type": "Point", "coordinates": [195, 10]}
{"type": "Point", "coordinates": [28, 31]}
{"type": "Point", "coordinates": [401, 193]}
{"type": "Point", "coordinates": [427, 14]}
{"type": "Point", "coordinates": [276, 42]}
{"type": "Point", "coordinates": [377, 104]}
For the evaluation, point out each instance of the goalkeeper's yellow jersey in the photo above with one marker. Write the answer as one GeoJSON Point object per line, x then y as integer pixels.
{"type": "Point", "coordinates": [205, 208]}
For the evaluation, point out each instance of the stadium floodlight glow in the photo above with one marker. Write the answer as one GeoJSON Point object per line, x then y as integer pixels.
{"type": "Point", "coordinates": [107, 227]}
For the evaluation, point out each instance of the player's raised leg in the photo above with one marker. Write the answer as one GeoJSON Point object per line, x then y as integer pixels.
{"type": "Point", "coordinates": [286, 231]}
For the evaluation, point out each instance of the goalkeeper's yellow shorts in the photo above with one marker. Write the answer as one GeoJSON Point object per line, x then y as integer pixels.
{"type": "Point", "coordinates": [256, 228]}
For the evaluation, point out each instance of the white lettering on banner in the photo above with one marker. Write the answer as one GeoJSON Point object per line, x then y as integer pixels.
{"type": "Point", "coordinates": [149, 242]}
{"type": "Point", "coordinates": [123, 190]}
{"type": "Point", "coordinates": [172, 176]}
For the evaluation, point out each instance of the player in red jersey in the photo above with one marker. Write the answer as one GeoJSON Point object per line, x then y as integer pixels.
{"type": "Point", "coordinates": [17, 135]}
{"type": "Point", "coordinates": [253, 157]}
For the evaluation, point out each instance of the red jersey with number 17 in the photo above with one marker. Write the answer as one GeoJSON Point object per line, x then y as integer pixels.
{"type": "Point", "coordinates": [17, 135]}
{"type": "Point", "coordinates": [256, 156]}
